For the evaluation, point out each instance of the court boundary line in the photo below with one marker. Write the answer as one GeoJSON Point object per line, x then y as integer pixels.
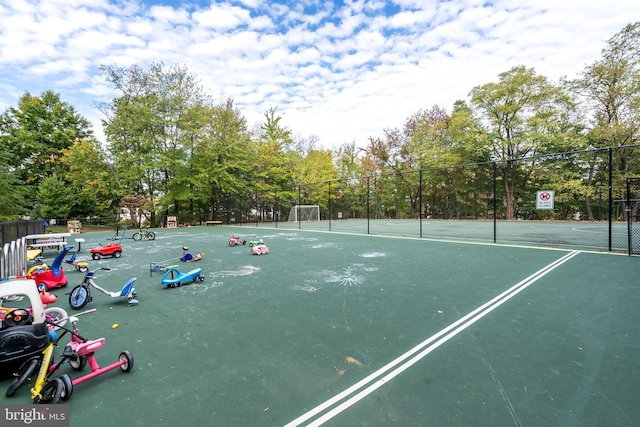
{"type": "Point", "coordinates": [398, 365]}
{"type": "Point", "coordinates": [461, 242]}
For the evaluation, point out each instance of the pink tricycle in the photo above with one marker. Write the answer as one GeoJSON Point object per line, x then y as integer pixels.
{"type": "Point", "coordinates": [235, 240]}
{"type": "Point", "coordinates": [78, 352]}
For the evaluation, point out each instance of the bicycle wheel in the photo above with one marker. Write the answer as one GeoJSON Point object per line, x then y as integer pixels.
{"type": "Point", "coordinates": [137, 236]}
{"type": "Point", "coordinates": [56, 316]}
{"type": "Point", "coordinates": [79, 297]}
{"type": "Point", "coordinates": [151, 235]}
{"type": "Point", "coordinates": [67, 389]}
{"type": "Point", "coordinates": [51, 392]}
{"type": "Point", "coordinates": [78, 362]}
{"type": "Point", "coordinates": [26, 370]}
{"type": "Point", "coordinates": [128, 361]}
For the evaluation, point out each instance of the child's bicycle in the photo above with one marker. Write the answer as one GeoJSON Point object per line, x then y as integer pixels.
{"type": "Point", "coordinates": [81, 294]}
{"type": "Point", "coordinates": [78, 352]}
{"type": "Point", "coordinates": [146, 234]}
{"type": "Point", "coordinates": [43, 391]}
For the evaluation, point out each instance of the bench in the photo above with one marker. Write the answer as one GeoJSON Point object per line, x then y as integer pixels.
{"type": "Point", "coordinates": [49, 245]}
{"type": "Point", "coordinates": [51, 240]}
{"type": "Point", "coordinates": [214, 222]}
{"type": "Point", "coordinates": [80, 241]}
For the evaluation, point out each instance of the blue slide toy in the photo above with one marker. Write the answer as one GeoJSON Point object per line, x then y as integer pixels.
{"type": "Point", "coordinates": [173, 278]}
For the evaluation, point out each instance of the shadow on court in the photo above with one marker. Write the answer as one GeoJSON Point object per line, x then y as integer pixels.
{"type": "Point", "coordinates": [352, 330]}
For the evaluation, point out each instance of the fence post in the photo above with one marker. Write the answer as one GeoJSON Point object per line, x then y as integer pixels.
{"type": "Point", "coordinates": [368, 203]}
{"type": "Point", "coordinates": [495, 203]}
{"type": "Point", "coordinates": [298, 213]}
{"type": "Point", "coordinates": [420, 203]}
{"type": "Point", "coordinates": [329, 206]}
{"type": "Point", "coordinates": [610, 150]}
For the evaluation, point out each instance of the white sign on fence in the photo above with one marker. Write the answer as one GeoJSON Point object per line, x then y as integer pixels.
{"type": "Point", "coordinates": [544, 200]}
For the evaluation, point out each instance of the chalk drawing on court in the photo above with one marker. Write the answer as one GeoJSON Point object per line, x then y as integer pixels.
{"type": "Point", "coordinates": [246, 270]}
{"type": "Point", "coordinates": [373, 255]}
{"type": "Point", "coordinates": [192, 289]}
{"type": "Point", "coordinates": [348, 277]}
{"type": "Point", "coordinates": [324, 245]}
{"type": "Point", "coordinates": [307, 288]}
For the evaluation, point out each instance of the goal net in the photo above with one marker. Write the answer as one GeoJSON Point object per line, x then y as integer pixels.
{"type": "Point", "coordinates": [304, 213]}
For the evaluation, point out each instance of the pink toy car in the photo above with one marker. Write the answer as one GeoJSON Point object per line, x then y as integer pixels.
{"type": "Point", "coordinates": [259, 249]}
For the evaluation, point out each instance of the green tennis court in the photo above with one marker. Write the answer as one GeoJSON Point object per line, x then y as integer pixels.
{"type": "Point", "coordinates": [349, 329]}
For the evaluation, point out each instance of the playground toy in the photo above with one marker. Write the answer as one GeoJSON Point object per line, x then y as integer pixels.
{"type": "Point", "coordinates": [81, 266]}
{"type": "Point", "coordinates": [174, 278]}
{"type": "Point", "coordinates": [187, 257]}
{"type": "Point", "coordinates": [21, 342]}
{"type": "Point", "coordinates": [255, 241]}
{"type": "Point", "coordinates": [235, 240]}
{"type": "Point", "coordinates": [259, 249]}
{"type": "Point", "coordinates": [49, 278]}
{"type": "Point", "coordinates": [111, 249]}
{"type": "Point", "coordinates": [81, 294]}
{"type": "Point", "coordinates": [81, 351]}
{"type": "Point", "coordinates": [41, 392]}
{"type": "Point", "coordinates": [78, 352]}
{"type": "Point", "coordinates": [146, 234]}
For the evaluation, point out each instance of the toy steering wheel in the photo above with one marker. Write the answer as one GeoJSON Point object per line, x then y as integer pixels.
{"type": "Point", "coordinates": [18, 317]}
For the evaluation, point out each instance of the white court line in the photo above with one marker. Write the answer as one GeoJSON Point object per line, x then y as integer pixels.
{"type": "Point", "coordinates": [448, 332]}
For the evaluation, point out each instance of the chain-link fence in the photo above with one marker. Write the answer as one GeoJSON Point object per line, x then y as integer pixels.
{"type": "Point", "coordinates": [633, 222]}
{"type": "Point", "coordinates": [490, 201]}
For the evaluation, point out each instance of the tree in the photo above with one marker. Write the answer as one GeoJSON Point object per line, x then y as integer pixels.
{"type": "Point", "coordinates": [89, 180]}
{"type": "Point", "coordinates": [610, 89]}
{"type": "Point", "coordinates": [53, 198]}
{"type": "Point", "coordinates": [221, 161]}
{"type": "Point", "coordinates": [524, 116]}
{"type": "Point", "coordinates": [149, 127]}
{"type": "Point", "coordinates": [10, 198]}
{"type": "Point", "coordinates": [34, 135]}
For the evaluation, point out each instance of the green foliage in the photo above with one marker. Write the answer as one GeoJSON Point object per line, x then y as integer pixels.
{"type": "Point", "coordinates": [10, 195]}
{"type": "Point", "coordinates": [34, 134]}
{"type": "Point", "coordinates": [53, 197]}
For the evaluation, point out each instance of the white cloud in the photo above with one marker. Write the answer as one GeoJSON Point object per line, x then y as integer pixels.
{"type": "Point", "coordinates": [342, 71]}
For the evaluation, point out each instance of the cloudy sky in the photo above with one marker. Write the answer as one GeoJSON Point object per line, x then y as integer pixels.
{"type": "Point", "coordinates": [338, 70]}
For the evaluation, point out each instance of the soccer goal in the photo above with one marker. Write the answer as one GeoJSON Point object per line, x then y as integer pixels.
{"type": "Point", "coordinates": [304, 213]}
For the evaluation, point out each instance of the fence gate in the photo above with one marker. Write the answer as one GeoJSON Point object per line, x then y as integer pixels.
{"type": "Point", "coordinates": [633, 218]}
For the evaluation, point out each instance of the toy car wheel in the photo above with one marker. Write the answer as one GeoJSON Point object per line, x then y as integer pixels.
{"type": "Point", "coordinates": [78, 363]}
{"type": "Point", "coordinates": [79, 297]}
{"type": "Point", "coordinates": [117, 254]}
{"type": "Point", "coordinates": [67, 387]}
{"type": "Point", "coordinates": [201, 277]}
{"type": "Point", "coordinates": [96, 256]}
{"type": "Point", "coordinates": [26, 370]}
{"type": "Point", "coordinates": [244, 242]}
{"type": "Point", "coordinates": [83, 269]}
{"type": "Point", "coordinates": [42, 287]}
{"type": "Point", "coordinates": [128, 358]}
{"type": "Point", "coordinates": [50, 393]}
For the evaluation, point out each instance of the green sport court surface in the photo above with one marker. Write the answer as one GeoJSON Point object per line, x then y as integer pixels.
{"type": "Point", "coordinates": [355, 330]}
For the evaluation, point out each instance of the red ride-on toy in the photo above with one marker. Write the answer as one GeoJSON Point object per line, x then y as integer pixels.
{"type": "Point", "coordinates": [49, 278]}
{"type": "Point", "coordinates": [112, 250]}
{"type": "Point", "coordinates": [235, 240]}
